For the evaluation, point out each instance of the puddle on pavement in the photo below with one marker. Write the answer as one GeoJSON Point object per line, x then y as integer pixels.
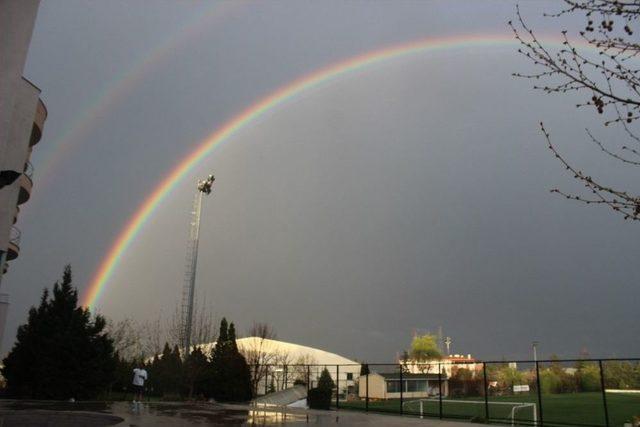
{"type": "Point", "coordinates": [18, 405]}
{"type": "Point", "coordinates": [107, 413]}
{"type": "Point", "coordinates": [269, 416]}
{"type": "Point", "coordinates": [199, 414]}
{"type": "Point", "coordinates": [213, 414]}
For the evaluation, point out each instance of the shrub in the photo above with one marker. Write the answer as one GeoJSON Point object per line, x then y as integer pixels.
{"type": "Point", "coordinates": [589, 377]}
{"type": "Point", "coordinates": [320, 397]}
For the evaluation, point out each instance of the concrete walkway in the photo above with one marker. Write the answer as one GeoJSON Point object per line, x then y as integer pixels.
{"type": "Point", "coordinates": [123, 414]}
{"type": "Point", "coordinates": [283, 397]}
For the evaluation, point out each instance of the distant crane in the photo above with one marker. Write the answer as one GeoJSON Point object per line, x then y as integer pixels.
{"type": "Point", "coordinates": [188, 290]}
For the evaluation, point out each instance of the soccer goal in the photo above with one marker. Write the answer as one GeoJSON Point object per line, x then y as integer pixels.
{"type": "Point", "coordinates": [509, 410]}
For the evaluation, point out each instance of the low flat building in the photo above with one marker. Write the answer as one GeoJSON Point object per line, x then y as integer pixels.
{"type": "Point", "coordinates": [388, 385]}
{"type": "Point", "coordinates": [449, 365]}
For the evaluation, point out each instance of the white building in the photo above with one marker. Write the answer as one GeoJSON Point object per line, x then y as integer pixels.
{"type": "Point", "coordinates": [22, 116]}
{"type": "Point", "coordinates": [449, 365]}
{"type": "Point", "coordinates": [388, 385]}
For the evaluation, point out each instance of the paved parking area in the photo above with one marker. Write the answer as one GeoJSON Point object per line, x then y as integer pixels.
{"type": "Point", "coordinates": [123, 414]}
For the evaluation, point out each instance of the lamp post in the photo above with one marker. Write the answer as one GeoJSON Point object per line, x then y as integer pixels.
{"type": "Point", "coordinates": [448, 342]}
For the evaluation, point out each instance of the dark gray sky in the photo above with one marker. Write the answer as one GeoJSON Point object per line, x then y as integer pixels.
{"type": "Point", "coordinates": [409, 195]}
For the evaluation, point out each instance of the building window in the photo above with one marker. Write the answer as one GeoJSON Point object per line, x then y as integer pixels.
{"type": "Point", "coordinates": [416, 385]}
{"type": "Point", "coordinates": [393, 386]}
{"type": "Point", "coordinates": [349, 376]}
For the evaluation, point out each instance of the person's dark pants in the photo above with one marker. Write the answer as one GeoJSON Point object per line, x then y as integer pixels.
{"type": "Point", "coordinates": [137, 391]}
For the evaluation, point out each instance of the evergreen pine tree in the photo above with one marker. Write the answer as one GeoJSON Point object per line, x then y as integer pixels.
{"type": "Point", "coordinates": [232, 338]}
{"type": "Point", "coordinates": [230, 374]}
{"type": "Point", "coordinates": [325, 382]}
{"type": "Point", "coordinates": [195, 369]}
{"type": "Point", "coordinates": [154, 383]}
{"type": "Point", "coordinates": [240, 372]}
{"type": "Point", "coordinates": [162, 371]}
{"type": "Point", "coordinates": [60, 352]}
{"type": "Point", "coordinates": [169, 372]}
{"type": "Point", "coordinates": [174, 371]}
{"type": "Point", "coordinates": [123, 374]}
{"type": "Point", "coordinates": [320, 397]}
{"type": "Point", "coordinates": [217, 382]}
{"type": "Point", "coordinates": [223, 335]}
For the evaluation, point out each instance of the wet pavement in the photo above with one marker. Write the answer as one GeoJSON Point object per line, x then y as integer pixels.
{"type": "Point", "coordinates": [125, 414]}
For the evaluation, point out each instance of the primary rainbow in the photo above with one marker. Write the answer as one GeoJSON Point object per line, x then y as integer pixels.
{"type": "Point", "coordinates": [275, 99]}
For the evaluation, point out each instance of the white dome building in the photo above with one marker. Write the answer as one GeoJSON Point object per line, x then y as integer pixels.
{"type": "Point", "coordinates": [280, 364]}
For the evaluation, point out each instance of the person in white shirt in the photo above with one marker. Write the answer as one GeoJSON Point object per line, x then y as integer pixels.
{"type": "Point", "coordinates": [139, 377]}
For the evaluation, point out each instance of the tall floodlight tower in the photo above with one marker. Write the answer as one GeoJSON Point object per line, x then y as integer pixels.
{"type": "Point", "coordinates": [188, 290]}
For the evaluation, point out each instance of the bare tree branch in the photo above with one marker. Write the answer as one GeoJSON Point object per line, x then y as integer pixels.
{"type": "Point", "coordinates": [611, 82]}
{"type": "Point", "coordinates": [126, 338]}
{"type": "Point", "coordinates": [259, 352]}
{"type": "Point", "coordinates": [620, 201]}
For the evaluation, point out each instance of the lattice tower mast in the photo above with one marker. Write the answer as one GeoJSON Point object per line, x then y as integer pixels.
{"type": "Point", "coordinates": [189, 287]}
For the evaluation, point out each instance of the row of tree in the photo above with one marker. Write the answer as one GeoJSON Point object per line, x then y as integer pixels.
{"type": "Point", "coordinates": [583, 376]}
{"type": "Point", "coordinates": [63, 352]}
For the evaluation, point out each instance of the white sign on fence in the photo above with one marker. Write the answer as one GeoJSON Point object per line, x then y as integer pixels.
{"type": "Point", "coordinates": [520, 388]}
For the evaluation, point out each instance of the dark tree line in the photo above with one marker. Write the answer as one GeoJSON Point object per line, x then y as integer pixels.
{"type": "Point", "coordinates": [222, 375]}
{"type": "Point", "coordinates": [63, 352]}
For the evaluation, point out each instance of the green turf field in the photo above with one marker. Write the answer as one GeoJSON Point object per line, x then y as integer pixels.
{"type": "Point", "coordinates": [571, 408]}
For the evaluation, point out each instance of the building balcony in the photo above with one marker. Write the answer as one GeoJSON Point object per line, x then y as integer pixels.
{"type": "Point", "coordinates": [38, 123]}
{"type": "Point", "coordinates": [26, 183]}
{"type": "Point", "coordinates": [13, 250]}
{"type": "Point", "coordinates": [15, 217]}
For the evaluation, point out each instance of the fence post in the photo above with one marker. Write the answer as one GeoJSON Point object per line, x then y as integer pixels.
{"type": "Point", "coordinates": [486, 391]}
{"type": "Point", "coordinates": [539, 393]}
{"type": "Point", "coordinates": [266, 378]}
{"type": "Point", "coordinates": [366, 404]}
{"type": "Point", "coordinates": [440, 390]}
{"type": "Point", "coordinates": [401, 390]}
{"type": "Point", "coordinates": [286, 379]}
{"type": "Point", "coordinates": [254, 381]}
{"type": "Point", "coordinates": [604, 394]}
{"type": "Point", "coordinates": [337, 386]}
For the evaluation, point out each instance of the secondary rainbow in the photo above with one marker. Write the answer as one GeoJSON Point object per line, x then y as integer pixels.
{"type": "Point", "coordinates": [102, 102]}
{"type": "Point", "coordinates": [255, 111]}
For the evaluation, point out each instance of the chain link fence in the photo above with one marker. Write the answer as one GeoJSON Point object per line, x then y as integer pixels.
{"type": "Point", "coordinates": [577, 392]}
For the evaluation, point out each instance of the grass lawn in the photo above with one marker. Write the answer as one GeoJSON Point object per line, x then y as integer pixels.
{"type": "Point", "coordinates": [571, 408]}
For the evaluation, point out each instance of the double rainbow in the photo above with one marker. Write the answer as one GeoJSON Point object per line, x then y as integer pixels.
{"type": "Point", "coordinates": [255, 111]}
